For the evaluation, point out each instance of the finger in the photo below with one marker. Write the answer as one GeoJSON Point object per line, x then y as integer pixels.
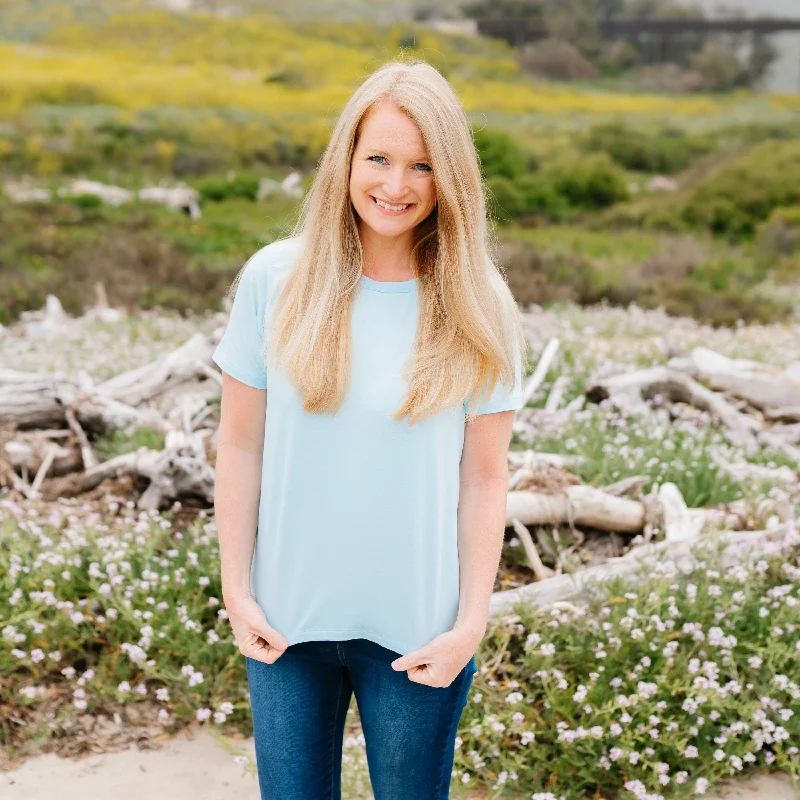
{"type": "Point", "coordinates": [259, 651]}
{"type": "Point", "coordinates": [267, 632]}
{"type": "Point", "coordinates": [415, 659]}
{"type": "Point", "coordinates": [254, 643]}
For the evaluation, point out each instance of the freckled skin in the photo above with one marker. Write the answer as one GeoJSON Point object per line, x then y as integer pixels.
{"type": "Point", "coordinates": [390, 163]}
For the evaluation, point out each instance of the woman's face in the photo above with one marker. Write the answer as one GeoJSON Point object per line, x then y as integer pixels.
{"type": "Point", "coordinates": [391, 181]}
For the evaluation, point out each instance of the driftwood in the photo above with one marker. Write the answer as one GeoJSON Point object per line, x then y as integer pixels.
{"type": "Point", "coordinates": [540, 371]}
{"type": "Point", "coordinates": [172, 396]}
{"type": "Point", "coordinates": [177, 471]}
{"type": "Point", "coordinates": [54, 418]}
{"type": "Point", "coordinates": [534, 560]}
{"type": "Point", "coordinates": [630, 391]}
{"type": "Point", "coordinates": [582, 506]}
{"type": "Point", "coordinates": [759, 384]}
{"type": "Point", "coordinates": [734, 547]}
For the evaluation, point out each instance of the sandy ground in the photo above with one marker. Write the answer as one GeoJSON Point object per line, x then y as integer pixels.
{"type": "Point", "coordinates": [202, 768]}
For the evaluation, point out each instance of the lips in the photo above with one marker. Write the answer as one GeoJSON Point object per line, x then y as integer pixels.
{"type": "Point", "coordinates": [391, 208]}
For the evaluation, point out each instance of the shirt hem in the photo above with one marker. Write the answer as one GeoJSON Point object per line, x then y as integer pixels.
{"type": "Point", "coordinates": [333, 634]}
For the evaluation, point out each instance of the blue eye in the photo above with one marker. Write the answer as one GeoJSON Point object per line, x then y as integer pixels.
{"type": "Point", "coordinates": [372, 157]}
{"type": "Point", "coordinates": [425, 167]}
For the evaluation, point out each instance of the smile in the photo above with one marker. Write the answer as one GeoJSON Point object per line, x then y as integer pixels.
{"type": "Point", "coordinates": [391, 208]}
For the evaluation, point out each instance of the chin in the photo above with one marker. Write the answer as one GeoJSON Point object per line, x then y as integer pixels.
{"type": "Point", "coordinates": [388, 227]}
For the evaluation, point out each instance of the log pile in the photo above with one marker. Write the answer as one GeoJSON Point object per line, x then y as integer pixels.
{"type": "Point", "coordinates": [49, 421]}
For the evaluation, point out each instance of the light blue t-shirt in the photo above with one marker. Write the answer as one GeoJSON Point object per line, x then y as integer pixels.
{"type": "Point", "coordinates": [357, 530]}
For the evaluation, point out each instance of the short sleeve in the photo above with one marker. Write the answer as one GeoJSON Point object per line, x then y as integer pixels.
{"type": "Point", "coordinates": [503, 398]}
{"type": "Point", "coordinates": [239, 350]}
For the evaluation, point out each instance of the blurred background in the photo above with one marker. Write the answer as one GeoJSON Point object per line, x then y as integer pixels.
{"type": "Point", "coordinates": [643, 165]}
{"type": "Point", "coordinates": [635, 149]}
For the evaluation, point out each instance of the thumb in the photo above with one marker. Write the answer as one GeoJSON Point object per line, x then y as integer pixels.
{"type": "Point", "coordinates": [266, 631]}
{"type": "Point", "coordinates": [410, 660]}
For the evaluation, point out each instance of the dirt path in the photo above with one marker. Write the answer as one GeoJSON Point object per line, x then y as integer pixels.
{"type": "Point", "coordinates": [201, 768]}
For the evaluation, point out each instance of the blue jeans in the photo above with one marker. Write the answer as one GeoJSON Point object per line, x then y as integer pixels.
{"type": "Point", "coordinates": [299, 705]}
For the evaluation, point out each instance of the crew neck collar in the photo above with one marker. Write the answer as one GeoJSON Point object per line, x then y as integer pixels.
{"type": "Point", "coordinates": [411, 285]}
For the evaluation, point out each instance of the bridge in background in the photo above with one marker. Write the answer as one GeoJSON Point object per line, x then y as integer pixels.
{"type": "Point", "coordinates": [519, 30]}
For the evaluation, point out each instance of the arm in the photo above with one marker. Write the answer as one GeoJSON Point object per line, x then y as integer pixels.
{"type": "Point", "coordinates": [481, 515]}
{"type": "Point", "coordinates": [237, 485]}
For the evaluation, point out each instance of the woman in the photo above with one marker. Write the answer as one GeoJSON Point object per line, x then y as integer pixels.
{"type": "Point", "coordinates": [378, 331]}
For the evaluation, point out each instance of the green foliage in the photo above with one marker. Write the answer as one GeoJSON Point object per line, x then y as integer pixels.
{"type": "Point", "coordinates": [219, 189]}
{"type": "Point", "coordinates": [540, 197]}
{"type": "Point", "coordinates": [545, 265]}
{"type": "Point", "coordinates": [563, 700]}
{"type": "Point", "coordinates": [672, 673]}
{"type": "Point", "coordinates": [85, 201]}
{"type": "Point", "coordinates": [590, 182]}
{"type": "Point", "coordinates": [118, 443]}
{"type": "Point", "coordinates": [779, 235]}
{"type": "Point", "coordinates": [500, 154]}
{"type": "Point", "coordinates": [744, 191]}
{"type": "Point", "coordinates": [505, 199]}
{"type": "Point", "coordinates": [667, 151]}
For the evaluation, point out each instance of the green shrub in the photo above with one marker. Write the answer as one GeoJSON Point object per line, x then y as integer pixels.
{"type": "Point", "coordinates": [85, 201]}
{"type": "Point", "coordinates": [500, 154]}
{"type": "Point", "coordinates": [541, 198]}
{"type": "Point", "coordinates": [532, 195]}
{"type": "Point", "coordinates": [667, 152]}
{"type": "Point", "coordinates": [744, 191]}
{"type": "Point", "coordinates": [780, 234]}
{"type": "Point", "coordinates": [219, 189]}
{"type": "Point", "coordinates": [591, 181]}
{"type": "Point", "coordinates": [506, 201]}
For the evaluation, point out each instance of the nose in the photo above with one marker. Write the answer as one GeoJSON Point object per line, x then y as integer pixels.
{"type": "Point", "coordinates": [395, 184]}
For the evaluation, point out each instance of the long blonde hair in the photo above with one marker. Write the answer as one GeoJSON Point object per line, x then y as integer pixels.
{"type": "Point", "coordinates": [468, 317]}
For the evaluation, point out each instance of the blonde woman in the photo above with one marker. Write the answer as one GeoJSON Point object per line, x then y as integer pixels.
{"type": "Point", "coordinates": [371, 366]}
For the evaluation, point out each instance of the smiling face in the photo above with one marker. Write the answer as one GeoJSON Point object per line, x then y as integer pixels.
{"type": "Point", "coordinates": [391, 181]}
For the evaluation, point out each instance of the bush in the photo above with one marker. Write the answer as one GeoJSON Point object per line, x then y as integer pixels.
{"type": "Point", "coordinates": [558, 60]}
{"type": "Point", "coordinates": [500, 154]}
{"type": "Point", "coordinates": [780, 234]}
{"type": "Point", "coordinates": [532, 195]}
{"type": "Point", "coordinates": [219, 189]}
{"type": "Point", "coordinates": [541, 198]}
{"type": "Point", "coordinates": [592, 181]}
{"type": "Point", "coordinates": [666, 152]}
{"type": "Point", "coordinates": [744, 191]}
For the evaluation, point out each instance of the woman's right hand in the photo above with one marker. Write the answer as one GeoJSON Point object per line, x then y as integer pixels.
{"type": "Point", "coordinates": [255, 637]}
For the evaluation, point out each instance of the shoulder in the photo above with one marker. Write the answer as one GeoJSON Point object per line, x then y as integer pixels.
{"type": "Point", "coordinates": [276, 257]}
{"type": "Point", "coordinates": [268, 265]}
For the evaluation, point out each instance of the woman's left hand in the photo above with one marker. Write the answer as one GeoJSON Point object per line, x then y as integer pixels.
{"type": "Point", "coordinates": [442, 659]}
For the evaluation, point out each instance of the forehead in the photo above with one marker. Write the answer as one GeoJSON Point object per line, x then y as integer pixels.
{"type": "Point", "coordinates": [387, 127]}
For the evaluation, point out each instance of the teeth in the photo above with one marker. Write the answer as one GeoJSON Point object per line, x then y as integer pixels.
{"type": "Point", "coordinates": [390, 206]}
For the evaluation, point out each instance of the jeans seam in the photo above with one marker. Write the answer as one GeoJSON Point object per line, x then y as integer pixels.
{"type": "Point", "coordinates": [453, 729]}
{"type": "Point", "coordinates": [333, 734]}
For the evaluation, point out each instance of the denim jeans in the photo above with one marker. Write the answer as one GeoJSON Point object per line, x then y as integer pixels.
{"type": "Point", "coordinates": [299, 705]}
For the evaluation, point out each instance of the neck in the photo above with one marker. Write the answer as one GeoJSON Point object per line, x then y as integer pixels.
{"type": "Point", "coordinates": [386, 258]}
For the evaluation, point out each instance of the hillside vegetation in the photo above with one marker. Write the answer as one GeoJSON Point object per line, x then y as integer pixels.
{"type": "Point", "coordinates": [148, 95]}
